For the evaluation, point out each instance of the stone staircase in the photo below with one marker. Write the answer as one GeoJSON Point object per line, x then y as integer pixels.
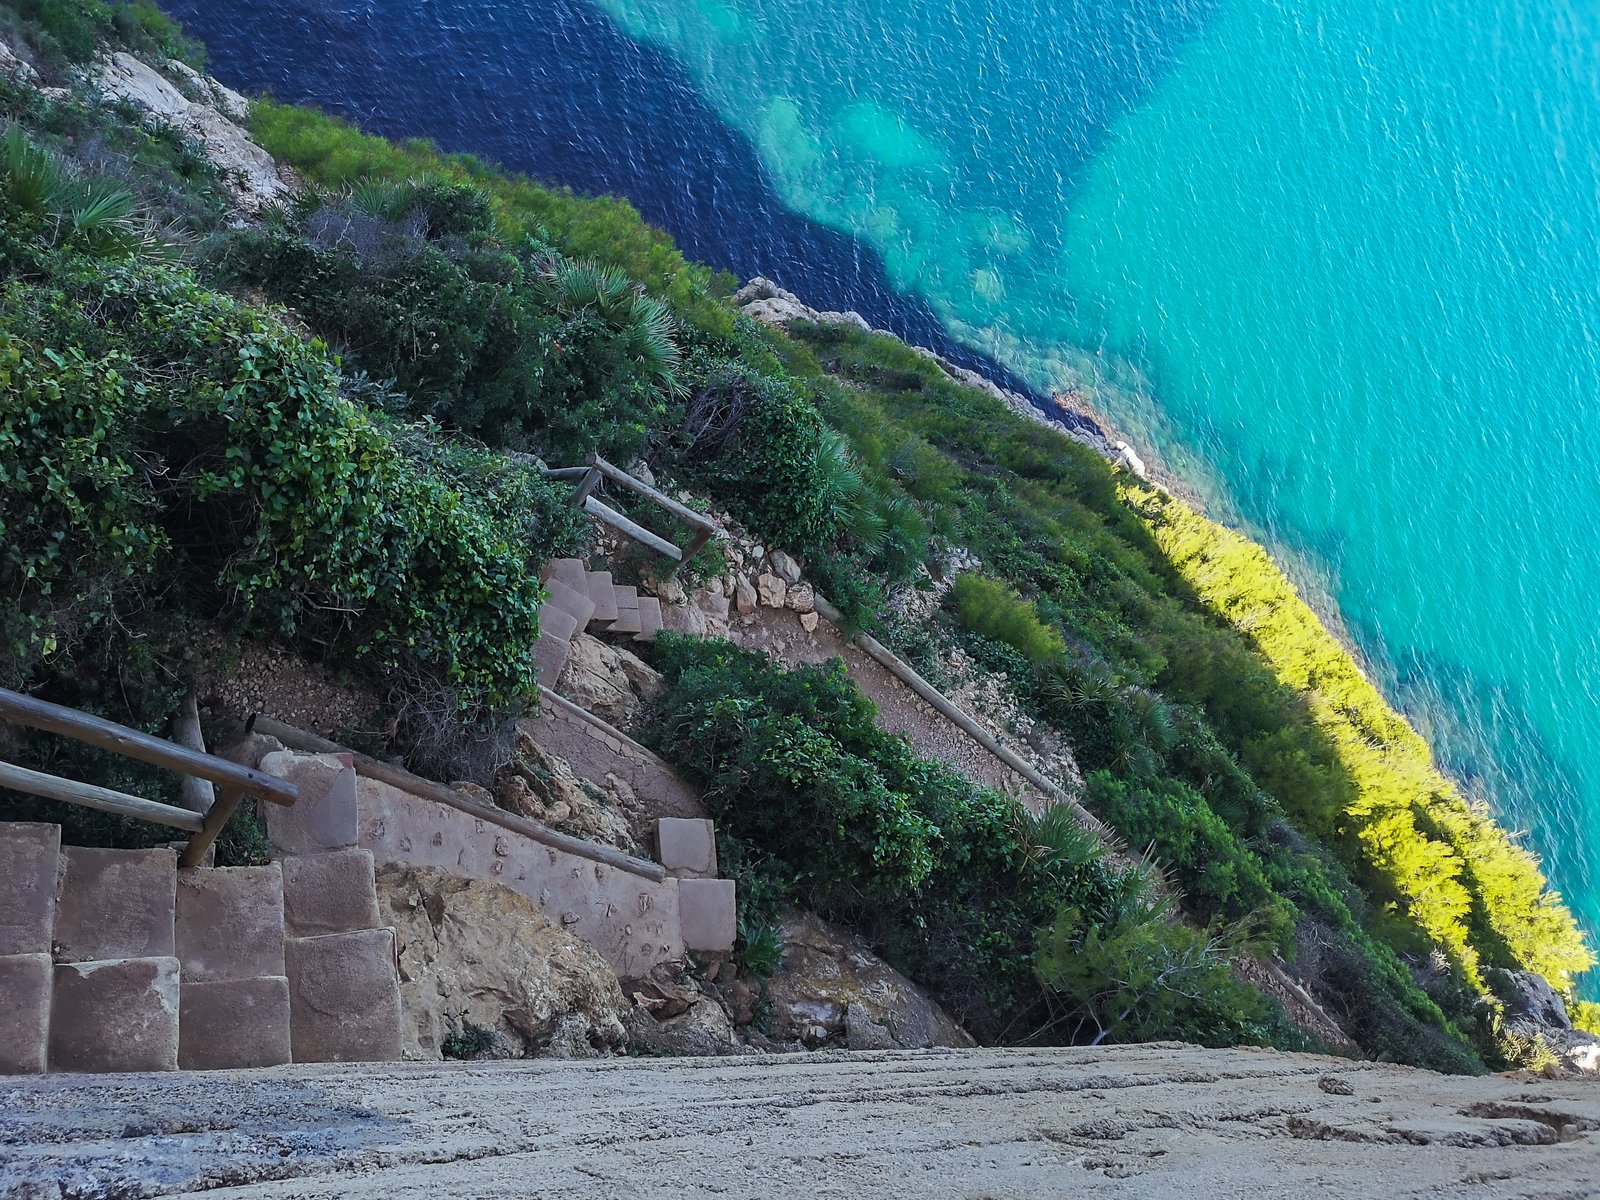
{"type": "Point", "coordinates": [118, 960]}
{"type": "Point", "coordinates": [582, 601]}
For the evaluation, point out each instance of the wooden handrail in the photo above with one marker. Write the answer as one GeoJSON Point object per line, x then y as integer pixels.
{"type": "Point", "coordinates": [130, 743]}
{"type": "Point", "coordinates": [235, 780]}
{"type": "Point", "coordinates": [604, 512]}
{"type": "Point", "coordinates": [70, 791]}
{"type": "Point", "coordinates": [682, 511]}
{"type": "Point", "coordinates": [589, 478]}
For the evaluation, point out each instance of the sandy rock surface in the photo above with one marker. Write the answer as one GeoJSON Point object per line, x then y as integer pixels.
{"type": "Point", "coordinates": [1158, 1121]}
{"type": "Point", "coordinates": [473, 951]}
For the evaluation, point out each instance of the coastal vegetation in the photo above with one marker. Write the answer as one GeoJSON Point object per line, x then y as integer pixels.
{"type": "Point", "coordinates": [318, 430]}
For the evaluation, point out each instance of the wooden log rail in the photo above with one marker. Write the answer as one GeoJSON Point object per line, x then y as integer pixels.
{"type": "Point", "coordinates": [232, 781]}
{"type": "Point", "coordinates": [903, 671]}
{"type": "Point", "coordinates": [427, 789]}
{"type": "Point", "coordinates": [599, 469]}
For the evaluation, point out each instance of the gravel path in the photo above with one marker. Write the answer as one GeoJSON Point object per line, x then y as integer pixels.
{"type": "Point", "coordinates": [1153, 1121]}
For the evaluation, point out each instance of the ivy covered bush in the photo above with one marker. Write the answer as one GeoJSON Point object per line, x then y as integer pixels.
{"type": "Point", "coordinates": [191, 453]}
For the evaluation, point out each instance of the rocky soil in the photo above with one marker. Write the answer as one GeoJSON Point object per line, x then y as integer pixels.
{"type": "Point", "coordinates": [1157, 1121]}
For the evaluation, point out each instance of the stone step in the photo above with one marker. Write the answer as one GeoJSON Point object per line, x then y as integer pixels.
{"type": "Point", "coordinates": [326, 815]}
{"type": "Point", "coordinates": [569, 571]}
{"type": "Point", "coordinates": [603, 592]}
{"type": "Point", "coordinates": [25, 986]}
{"type": "Point", "coordinates": [329, 893]}
{"type": "Point", "coordinates": [30, 856]}
{"type": "Point", "coordinates": [118, 1015]}
{"type": "Point", "coordinates": [650, 621]}
{"type": "Point", "coordinates": [549, 656]}
{"type": "Point", "coordinates": [627, 610]}
{"type": "Point", "coordinates": [230, 923]}
{"type": "Point", "coordinates": [569, 600]}
{"type": "Point", "coordinates": [228, 1024]}
{"type": "Point", "coordinates": [115, 904]}
{"type": "Point", "coordinates": [344, 997]}
{"type": "Point", "coordinates": [557, 622]}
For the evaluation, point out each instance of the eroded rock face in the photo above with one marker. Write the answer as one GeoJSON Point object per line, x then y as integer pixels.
{"type": "Point", "coordinates": [607, 680]}
{"type": "Point", "coordinates": [543, 787]}
{"type": "Point", "coordinates": [249, 172]}
{"type": "Point", "coordinates": [1535, 1011]}
{"type": "Point", "coordinates": [833, 991]}
{"type": "Point", "coordinates": [476, 952]}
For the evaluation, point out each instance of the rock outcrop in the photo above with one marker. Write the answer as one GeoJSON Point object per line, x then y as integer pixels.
{"type": "Point", "coordinates": [763, 300]}
{"type": "Point", "coordinates": [832, 991]}
{"type": "Point", "coordinates": [607, 680]}
{"type": "Point", "coordinates": [545, 788]}
{"type": "Point", "coordinates": [1535, 1012]}
{"type": "Point", "coordinates": [476, 956]}
{"type": "Point", "coordinates": [210, 115]}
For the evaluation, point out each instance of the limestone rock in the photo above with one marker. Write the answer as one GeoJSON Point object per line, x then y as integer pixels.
{"type": "Point", "coordinates": [702, 1029]}
{"type": "Point", "coordinates": [808, 622]}
{"type": "Point", "coordinates": [475, 952]}
{"type": "Point", "coordinates": [543, 787]}
{"type": "Point", "coordinates": [802, 598]}
{"type": "Point", "coordinates": [744, 595]}
{"type": "Point", "coordinates": [1529, 999]}
{"type": "Point", "coordinates": [607, 680]}
{"type": "Point", "coordinates": [251, 174]}
{"type": "Point", "coordinates": [832, 990]}
{"type": "Point", "coordinates": [785, 565]}
{"type": "Point", "coordinates": [772, 590]}
{"type": "Point", "coordinates": [15, 66]}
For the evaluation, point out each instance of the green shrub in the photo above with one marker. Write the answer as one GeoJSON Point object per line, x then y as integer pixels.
{"type": "Point", "coordinates": [217, 461]}
{"type": "Point", "coordinates": [814, 802]}
{"type": "Point", "coordinates": [991, 609]}
{"type": "Point", "coordinates": [1220, 878]}
{"type": "Point", "coordinates": [1143, 976]}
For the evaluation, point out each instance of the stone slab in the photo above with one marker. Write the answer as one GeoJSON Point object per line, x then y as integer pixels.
{"type": "Point", "coordinates": [708, 913]}
{"type": "Point", "coordinates": [232, 1023]}
{"type": "Point", "coordinates": [603, 592]}
{"type": "Point", "coordinates": [686, 846]}
{"type": "Point", "coordinates": [549, 656]}
{"type": "Point", "coordinates": [115, 904]}
{"type": "Point", "coordinates": [571, 601]}
{"type": "Point", "coordinates": [30, 857]}
{"type": "Point", "coordinates": [325, 816]}
{"type": "Point", "coordinates": [25, 1013]}
{"type": "Point", "coordinates": [329, 893]}
{"type": "Point", "coordinates": [230, 923]}
{"type": "Point", "coordinates": [568, 571]}
{"type": "Point", "coordinates": [627, 610]}
{"type": "Point", "coordinates": [557, 622]}
{"type": "Point", "coordinates": [115, 1016]}
{"type": "Point", "coordinates": [344, 997]}
{"type": "Point", "coordinates": [649, 619]}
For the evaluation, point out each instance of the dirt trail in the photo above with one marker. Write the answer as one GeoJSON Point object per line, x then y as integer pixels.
{"type": "Point", "coordinates": [1149, 1121]}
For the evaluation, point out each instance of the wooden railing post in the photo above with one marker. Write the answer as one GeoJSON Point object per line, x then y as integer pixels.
{"type": "Point", "coordinates": [221, 809]}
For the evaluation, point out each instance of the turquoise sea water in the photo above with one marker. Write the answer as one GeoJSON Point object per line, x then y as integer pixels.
{"type": "Point", "coordinates": [1337, 263]}
{"type": "Point", "coordinates": [1352, 251]}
